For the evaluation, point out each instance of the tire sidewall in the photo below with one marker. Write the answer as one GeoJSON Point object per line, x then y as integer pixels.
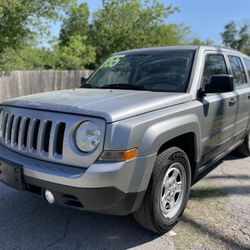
{"type": "Point", "coordinates": [161, 222]}
{"type": "Point", "coordinates": [248, 142]}
{"type": "Point", "coordinates": [244, 149]}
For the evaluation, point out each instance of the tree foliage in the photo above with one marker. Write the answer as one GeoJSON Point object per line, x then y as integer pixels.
{"type": "Point", "coordinates": [126, 24]}
{"type": "Point", "coordinates": [20, 20]}
{"type": "Point", "coordinates": [198, 42]}
{"type": "Point", "coordinates": [73, 50]}
{"type": "Point", "coordinates": [84, 41]}
{"type": "Point", "coordinates": [26, 58]}
{"type": "Point", "coordinates": [237, 38]}
{"type": "Point", "coordinates": [76, 54]}
{"type": "Point", "coordinates": [75, 24]}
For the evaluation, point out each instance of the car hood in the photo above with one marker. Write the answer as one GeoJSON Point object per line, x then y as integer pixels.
{"type": "Point", "coordinates": [112, 105]}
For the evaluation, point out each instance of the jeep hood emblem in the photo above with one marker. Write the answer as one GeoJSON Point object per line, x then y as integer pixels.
{"type": "Point", "coordinates": [34, 104]}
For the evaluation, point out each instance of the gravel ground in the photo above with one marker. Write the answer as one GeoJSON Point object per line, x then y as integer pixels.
{"type": "Point", "coordinates": [217, 217]}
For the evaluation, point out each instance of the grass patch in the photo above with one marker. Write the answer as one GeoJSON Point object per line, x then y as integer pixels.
{"type": "Point", "coordinates": [205, 215]}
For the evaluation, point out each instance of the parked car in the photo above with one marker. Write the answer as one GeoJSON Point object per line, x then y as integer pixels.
{"type": "Point", "coordinates": [143, 128]}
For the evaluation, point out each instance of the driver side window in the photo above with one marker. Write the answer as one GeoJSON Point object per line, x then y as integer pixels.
{"type": "Point", "coordinates": [214, 65]}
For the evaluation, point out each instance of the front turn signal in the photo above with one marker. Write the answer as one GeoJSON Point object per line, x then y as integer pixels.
{"type": "Point", "coordinates": [119, 155]}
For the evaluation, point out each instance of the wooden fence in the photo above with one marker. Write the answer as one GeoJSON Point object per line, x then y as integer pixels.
{"type": "Point", "coordinates": [20, 83]}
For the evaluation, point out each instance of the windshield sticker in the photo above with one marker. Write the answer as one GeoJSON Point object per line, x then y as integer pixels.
{"type": "Point", "coordinates": [112, 61]}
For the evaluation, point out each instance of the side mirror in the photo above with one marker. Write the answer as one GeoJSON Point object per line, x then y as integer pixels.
{"type": "Point", "coordinates": [83, 80]}
{"type": "Point", "coordinates": [220, 84]}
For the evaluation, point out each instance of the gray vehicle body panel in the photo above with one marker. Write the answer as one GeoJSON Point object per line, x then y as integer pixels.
{"type": "Point", "coordinates": [112, 105]}
{"type": "Point", "coordinates": [125, 176]}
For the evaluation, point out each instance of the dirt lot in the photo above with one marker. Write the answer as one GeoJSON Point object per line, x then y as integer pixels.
{"type": "Point", "coordinates": [217, 217]}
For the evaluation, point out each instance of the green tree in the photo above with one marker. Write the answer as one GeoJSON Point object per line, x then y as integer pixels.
{"type": "Point", "coordinates": [76, 54]}
{"type": "Point", "coordinates": [21, 20]}
{"type": "Point", "coordinates": [73, 50]}
{"type": "Point", "coordinates": [127, 24]}
{"type": "Point", "coordinates": [26, 58]}
{"type": "Point", "coordinates": [76, 23]}
{"type": "Point", "coordinates": [198, 42]}
{"type": "Point", "coordinates": [236, 38]}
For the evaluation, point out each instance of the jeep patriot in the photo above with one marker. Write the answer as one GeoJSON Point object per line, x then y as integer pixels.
{"type": "Point", "coordinates": [139, 132]}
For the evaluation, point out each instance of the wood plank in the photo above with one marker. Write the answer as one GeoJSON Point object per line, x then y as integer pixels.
{"type": "Point", "coordinates": [19, 83]}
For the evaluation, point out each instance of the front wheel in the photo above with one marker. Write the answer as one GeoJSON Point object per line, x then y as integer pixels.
{"type": "Point", "coordinates": [167, 193]}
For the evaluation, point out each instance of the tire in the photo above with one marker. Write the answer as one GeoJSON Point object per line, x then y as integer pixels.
{"type": "Point", "coordinates": [244, 149]}
{"type": "Point", "coordinates": [157, 213]}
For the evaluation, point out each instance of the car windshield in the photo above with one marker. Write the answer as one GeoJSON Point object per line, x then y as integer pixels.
{"type": "Point", "coordinates": [166, 71]}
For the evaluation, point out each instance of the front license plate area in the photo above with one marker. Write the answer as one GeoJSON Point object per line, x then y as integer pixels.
{"type": "Point", "coordinates": [11, 175]}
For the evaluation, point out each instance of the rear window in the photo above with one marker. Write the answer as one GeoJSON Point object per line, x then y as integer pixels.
{"type": "Point", "coordinates": [247, 62]}
{"type": "Point", "coordinates": [238, 70]}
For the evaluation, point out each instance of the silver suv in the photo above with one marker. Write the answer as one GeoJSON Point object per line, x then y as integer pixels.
{"type": "Point", "coordinates": [133, 139]}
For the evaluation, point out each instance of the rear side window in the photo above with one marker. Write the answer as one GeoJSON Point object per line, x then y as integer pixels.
{"type": "Point", "coordinates": [238, 70]}
{"type": "Point", "coordinates": [214, 65]}
{"type": "Point", "coordinates": [247, 62]}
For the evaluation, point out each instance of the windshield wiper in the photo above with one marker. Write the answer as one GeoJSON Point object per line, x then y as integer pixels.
{"type": "Point", "coordinates": [87, 86]}
{"type": "Point", "coordinates": [124, 86]}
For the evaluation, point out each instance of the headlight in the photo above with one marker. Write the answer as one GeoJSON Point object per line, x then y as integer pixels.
{"type": "Point", "coordinates": [88, 136]}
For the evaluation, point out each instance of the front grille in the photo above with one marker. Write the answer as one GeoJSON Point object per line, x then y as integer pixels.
{"type": "Point", "coordinates": [59, 137]}
{"type": "Point", "coordinates": [33, 135]}
{"type": "Point", "coordinates": [46, 135]}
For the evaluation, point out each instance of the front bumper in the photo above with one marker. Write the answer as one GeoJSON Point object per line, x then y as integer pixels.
{"type": "Point", "coordinates": [114, 188]}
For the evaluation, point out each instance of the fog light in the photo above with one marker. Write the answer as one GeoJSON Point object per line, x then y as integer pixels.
{"type": "Point", "coordinates": [50, 198]}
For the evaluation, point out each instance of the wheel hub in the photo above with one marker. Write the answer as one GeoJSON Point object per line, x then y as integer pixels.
{"type": "Point", "coordinates": [173, 190]}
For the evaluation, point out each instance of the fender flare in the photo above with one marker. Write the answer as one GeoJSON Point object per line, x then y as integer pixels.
{"type": "Point", "coordinates": [164, 131]}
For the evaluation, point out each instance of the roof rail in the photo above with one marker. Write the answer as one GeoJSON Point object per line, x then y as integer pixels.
{"type": "Point", "coordinates": [225, 47]}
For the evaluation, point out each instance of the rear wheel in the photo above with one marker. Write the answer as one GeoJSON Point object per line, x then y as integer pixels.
{"type": "Point", "coordinates": [168, 192]}
{"type": "Point", "coordinates": [244, 149]}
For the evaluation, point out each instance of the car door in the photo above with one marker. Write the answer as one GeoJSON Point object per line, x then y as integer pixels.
{"type": "Point", "coordinates": [219, 110]}
{"type": "Point", "coordinates": [242, 90]}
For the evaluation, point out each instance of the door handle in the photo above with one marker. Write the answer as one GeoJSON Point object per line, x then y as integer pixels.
{"type": "Point", "coordinates": [232, 101]}
{"type": "Point", "coordinates": [248, 96]}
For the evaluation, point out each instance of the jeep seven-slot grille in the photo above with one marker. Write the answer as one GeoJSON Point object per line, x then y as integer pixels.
{"type": "Point", "coordinates": [42, 137]}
